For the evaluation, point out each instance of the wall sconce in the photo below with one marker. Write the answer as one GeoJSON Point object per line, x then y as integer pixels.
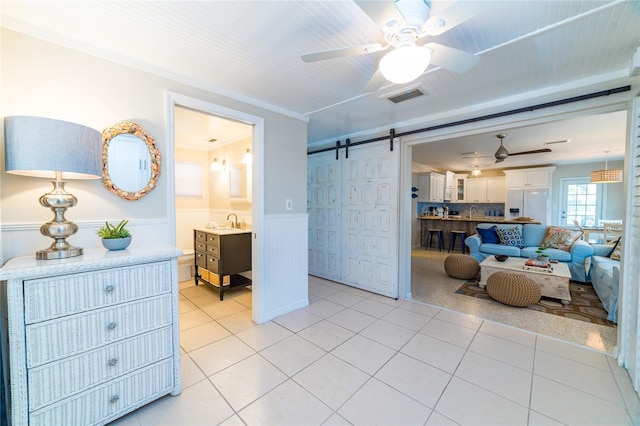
{"type": "Point", "coordinates": [47, 148]}
{"type": "Point", "coordinates": [247, 158]}
{"type": "Point", "coordinates": [607, 175]}
{"type": "Point", "coordinates": [215, 165]}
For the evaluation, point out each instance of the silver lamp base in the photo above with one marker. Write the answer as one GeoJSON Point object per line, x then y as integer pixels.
{"type": "Point", "coordinates": [54, 253]}
{"type": "Point", "coordinates": [58, 200]}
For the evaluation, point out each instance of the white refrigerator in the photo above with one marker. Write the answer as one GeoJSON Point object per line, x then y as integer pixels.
{"type": "Point", "coordinates": [533, 203]}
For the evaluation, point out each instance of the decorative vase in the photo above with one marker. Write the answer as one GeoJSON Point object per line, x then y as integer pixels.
{"type": "Point", "coordinates": [116, 243]}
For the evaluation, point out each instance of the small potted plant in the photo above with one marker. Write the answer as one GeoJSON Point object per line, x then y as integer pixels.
{"type": "Point", "coordinates": [115, 237]}
{"type": "Point", "coordinates": [542, 255]}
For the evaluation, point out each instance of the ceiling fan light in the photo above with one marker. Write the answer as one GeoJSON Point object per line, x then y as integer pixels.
{"type": "Point", "coordinates": [405, 63]}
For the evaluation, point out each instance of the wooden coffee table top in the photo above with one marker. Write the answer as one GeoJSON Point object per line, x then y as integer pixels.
{"type": "Point", "coordinates": [516, 264]}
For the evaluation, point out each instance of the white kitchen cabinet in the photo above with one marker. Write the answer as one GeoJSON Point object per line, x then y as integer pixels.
{"type": "Point", "coordinates": [91, 338]}
{"type": "Point", "coordinates": [539, 177]}
{"type": "Point", "coordinates": [431, 187]}
{"type": "Point", "coordinates": [459, 194]}
{"type": "Point", "coordinates": [486, 190]}
{"type": "Point", "coordinates": [449, 183]}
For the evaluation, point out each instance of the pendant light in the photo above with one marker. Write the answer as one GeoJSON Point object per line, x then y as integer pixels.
{"type": "Point", "coordinates": [607, 175]}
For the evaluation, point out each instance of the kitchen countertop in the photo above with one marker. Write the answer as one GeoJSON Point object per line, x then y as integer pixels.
{"type": "Point", "coordinates": [487, 219]}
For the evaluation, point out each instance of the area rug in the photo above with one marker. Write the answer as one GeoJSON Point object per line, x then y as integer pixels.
{"type": "Point", "coordinates": [585, 304]}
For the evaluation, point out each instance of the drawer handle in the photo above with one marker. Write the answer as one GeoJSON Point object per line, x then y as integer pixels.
{"type": "Point", "coordinates": [112, 362]}
{"type": "Point", "coordinates": [114, 399]}
{"type": "Point", "coordinates": [112, 326]}
{"type": "Point", "coordinates": [109, 289]}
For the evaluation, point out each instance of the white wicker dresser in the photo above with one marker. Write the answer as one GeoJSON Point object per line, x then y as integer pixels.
{"type": "Point", "coordinates": [89, 338]}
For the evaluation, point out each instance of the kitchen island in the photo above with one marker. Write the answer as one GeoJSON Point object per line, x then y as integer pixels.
{"type": "Point", "coordinates": [459, 223]}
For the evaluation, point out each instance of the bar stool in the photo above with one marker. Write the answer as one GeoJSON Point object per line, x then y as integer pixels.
{"type": "Point", "coordinates": [438, 234]}
{"type": "Point", "coordinates": [462, 235]}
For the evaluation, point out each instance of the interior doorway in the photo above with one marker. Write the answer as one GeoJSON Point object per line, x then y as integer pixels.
{"type": "Point", "coordinates": [251, 198]}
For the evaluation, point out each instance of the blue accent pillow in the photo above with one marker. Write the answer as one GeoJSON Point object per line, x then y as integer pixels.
{"type": "Point", "coordinates": [488, 235]}
{"type": "Point", "coordinates": [510, 237]}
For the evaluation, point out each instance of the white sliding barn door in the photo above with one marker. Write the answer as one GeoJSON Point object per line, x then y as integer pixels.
{"type": "Point", "coordinates": [353, 217]}
{"type": "Point", "coordinates": [323, 207]}
{"type": "Point", "coordinates": [370, 218]}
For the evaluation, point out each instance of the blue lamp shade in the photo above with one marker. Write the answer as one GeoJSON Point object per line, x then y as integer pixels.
{"type": "Point", "coordinates": [39, 147]}
{"type": "Point", "coordinates": [42, 147]}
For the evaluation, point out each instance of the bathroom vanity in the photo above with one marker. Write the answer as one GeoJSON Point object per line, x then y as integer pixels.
{"type": "Point", "coordinates": [220, 255]}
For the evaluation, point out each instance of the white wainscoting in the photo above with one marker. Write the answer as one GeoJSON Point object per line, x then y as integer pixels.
{"type": "Point", "coordinates": [19, 239]}
{"type": "Point", "coordinates": [186, 220]}
{"type": "Point", "coordinates": [283, 283]}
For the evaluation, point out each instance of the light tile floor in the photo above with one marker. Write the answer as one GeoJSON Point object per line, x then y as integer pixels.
{"type": "Point", "coordinates": [352, 357]}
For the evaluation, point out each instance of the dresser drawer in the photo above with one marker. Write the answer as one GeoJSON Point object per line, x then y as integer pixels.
{"type": "Point", "coordinates": [54, 297]}
{"type": "Point", "coordinates": [213, 239]}
{"type": "Point", "coordinates": [201, 259]}
{"type": "Point", "coordinates": [201, 236]}
{"type": "Point", "coordinates": [213, 250]}
{"type": "Point", "coordinates": [52, 340]}
{"type": "Point", "coordinates": [110, 400]}
{"type": "Point", "coordinates": [212, 264]}
{"type": "Point", "coordinates": [200, 246]}
{"type": "Point", "coordinates": [60, 379]}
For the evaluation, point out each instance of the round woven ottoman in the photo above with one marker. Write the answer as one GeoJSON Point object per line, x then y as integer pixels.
{"type": "Point", "coordinates": [513, 289]}
{"type": "Point", "coordinates": [461, 266]}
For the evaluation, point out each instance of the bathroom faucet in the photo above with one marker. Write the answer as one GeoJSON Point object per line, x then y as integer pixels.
{"type": "Point", "coordinates": [234, 224]}
{"type": "Point", "coordinates": [470, 211]}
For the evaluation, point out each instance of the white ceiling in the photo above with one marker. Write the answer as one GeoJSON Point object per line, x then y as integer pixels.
{"type": "Point", "coordinates": [205, 132]}
{"type": "Point", "coordinates": [251, 50]}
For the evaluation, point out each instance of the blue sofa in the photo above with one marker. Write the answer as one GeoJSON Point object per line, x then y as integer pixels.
{"type": "Point", "coordinates": [605, 278]}
{"type": "Point", "coordinates": [532, 235]}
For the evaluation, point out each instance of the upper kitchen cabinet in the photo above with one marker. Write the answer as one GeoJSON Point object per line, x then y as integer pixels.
{"type": "Point", "coordinates": [539, 177]}
{"type": "Point", "coordinates": [459, 194]}
{"type": "Point", "coordinates": [449, 184]}
{"type": "Point", "coordinates": [486, 190]}
{"type": "Point", "coordinates": [431, 187]}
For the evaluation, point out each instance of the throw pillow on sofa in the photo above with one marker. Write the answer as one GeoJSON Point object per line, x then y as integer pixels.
{"type": "Point", "coordinates": [510, 237]}
{"type": "Point", "coordinates": [489, 235]}
{"type": "Point", "coordinates": [560, 238]}
{"type": "Point", "coordinates": [616, 251]}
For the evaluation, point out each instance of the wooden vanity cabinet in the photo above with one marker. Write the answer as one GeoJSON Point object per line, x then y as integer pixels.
{"type": "Point", "coordinates": [218, 256]}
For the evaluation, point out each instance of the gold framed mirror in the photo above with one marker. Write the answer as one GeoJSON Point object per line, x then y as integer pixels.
{"type": "Point", "coordinates": [130, 161]}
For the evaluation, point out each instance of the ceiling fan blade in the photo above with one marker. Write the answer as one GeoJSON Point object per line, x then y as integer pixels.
{"type": "Point", "coordinates": [342, 52]}
{"type": "Point", "coordinates": [453, 16]}
{"type": "Point", "coordinates": [535, 151]}
{"type": "Point", "coordinates": [381, 12]}
{"type": "Point", "coordinates": [452, 59]}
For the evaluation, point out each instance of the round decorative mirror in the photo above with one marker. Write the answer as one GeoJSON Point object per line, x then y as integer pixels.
{"type": "Point", "coordinates": [130, 161]}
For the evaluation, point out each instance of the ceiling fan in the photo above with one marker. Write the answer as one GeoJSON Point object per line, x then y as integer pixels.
{"type": "Point", "coordinates": [403, 23]}
{"type": "Point", "coordinates": [502, 153]}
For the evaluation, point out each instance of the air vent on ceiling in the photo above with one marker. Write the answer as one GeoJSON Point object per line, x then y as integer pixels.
{"type": "Point", "coordinates": [554, 142]}
{"type": "Point", "coordinates": [397, 98]}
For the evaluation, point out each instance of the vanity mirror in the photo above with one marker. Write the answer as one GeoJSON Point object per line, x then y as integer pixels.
{"type": "Point", "coordinates": [130, 161]}
{"type": "Point", "coordinates": [238, 185]}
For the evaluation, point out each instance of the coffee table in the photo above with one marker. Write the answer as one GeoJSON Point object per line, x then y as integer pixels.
{"type": "Point", "coordinates": [553, 284]}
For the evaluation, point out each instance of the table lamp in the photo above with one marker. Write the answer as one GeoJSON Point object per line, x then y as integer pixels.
{"type": "Point", "coordinates": [43, 147]}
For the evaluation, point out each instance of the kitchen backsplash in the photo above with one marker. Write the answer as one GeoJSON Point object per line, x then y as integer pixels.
{"type": "Point", "coordinates": [484, 209]}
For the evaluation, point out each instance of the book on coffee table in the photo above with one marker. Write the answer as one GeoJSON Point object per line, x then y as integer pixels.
{"type": "Point", "coordinates": [536, 265]}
